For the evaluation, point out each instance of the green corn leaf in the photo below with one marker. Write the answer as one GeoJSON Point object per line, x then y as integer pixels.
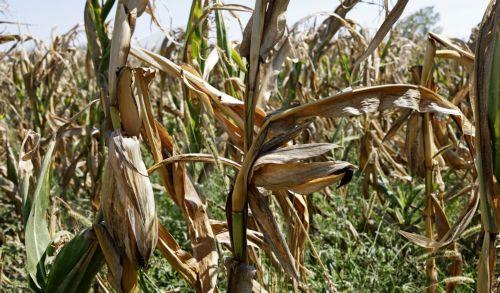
{"type": "Point", "coordinates": [37, 231]}
{"type": "Point", "coordinates": [194, 35]}
{"type": "Point", "coordinates": [106, 8]}
{"type": "Point", "coordinates": [222, 40]}
{"type": "Point", "coordinates": [239, 61]}
{"type": "Point", "coordinates": [76, 265]}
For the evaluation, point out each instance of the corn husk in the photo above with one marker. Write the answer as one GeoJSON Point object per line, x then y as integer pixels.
{"type": "Point", "coordinates": [128, 201]}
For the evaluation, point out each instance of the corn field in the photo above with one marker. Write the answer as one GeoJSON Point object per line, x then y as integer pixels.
{"type": "Point", "coordinates": [307, 157]}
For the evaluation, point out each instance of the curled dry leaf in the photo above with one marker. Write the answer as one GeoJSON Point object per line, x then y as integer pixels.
{"type": "Point", "coordinates": [259, 205]}
{"type": "Point", "coordinates": [194, 211]}
{"type": "Point", "coordinates": [296, 237]}
{"type": "Point", "coordinates": [182, 261]}
{"type": "Point", "coordinates": [389, 21]}
{"type": "Point", "coordinates": [294, 153]}
{"type": "Point", "coordinates": [111, 255]}
{"type": "Point", "coordinates": [181, 189]}
{"type": "Point", "coordinates": [330, 26]}
{"type": "Point", "coordinates": [369, 100]}
{"type": "Point", "coordinates": [453, 49]}
{"type": "Point", "coordinates": [303, 178]}
{"type": "Point", "coordinates": [220, 101]}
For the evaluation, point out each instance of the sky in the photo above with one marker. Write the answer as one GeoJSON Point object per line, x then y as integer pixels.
{"type": "Point", "coordinates": [457, 17]}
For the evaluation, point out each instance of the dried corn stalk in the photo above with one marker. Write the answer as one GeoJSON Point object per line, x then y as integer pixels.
{"type": "Point", "coordinates": [127, 195]}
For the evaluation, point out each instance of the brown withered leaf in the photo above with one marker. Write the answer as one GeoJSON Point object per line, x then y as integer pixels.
{"type": "Point", "coordinates": [329, 27]}
{"type": "Point", "coordinates": [458, 158]}
{"type": "Point", "coordinates": [195, 214]}
{"type": "Point", "coordinates": [295, 235]}
{"type": "Point", "coordinates": [266, 45]}
{"type": "Point", "coordinates": [269, 71]}
{"type": "Point", "coordinates": [389, 21]}
{"type": "Point", "coordinates": [111, 254]}
{"type": "Point", "coordinates": [368, 100]}
{"type": "Point", "coordinates": [302, 177]}
{"type": "Point", "coordinates": [259, 206]}
{"type": "Point", "coordinates": [468, 57]}
{"type": "Point", "coordinates": [283, 137]}
{"type": "Point", "coordinates": [183, 262]}
{"type": "Point", "coordinates": [181, 189]}
{"type": "Point", "coordinates": [273, 28]}
{"type": "Point", "coordinates": [294, 153]}
{"type": "Point", "coordinates": [227, 104]}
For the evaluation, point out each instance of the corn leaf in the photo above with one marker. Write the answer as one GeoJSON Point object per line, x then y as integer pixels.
{"type": "Point", "coordinates": [76, 265]}
{"type": "Point", "coordinates": [37, 231]}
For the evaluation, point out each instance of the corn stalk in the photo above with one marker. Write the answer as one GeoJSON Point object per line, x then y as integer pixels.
{"type": "Point", "coordinates": [127, 200]}
{"type": "Point", "coordinates": [428, 140]}
{"type": "Point", "coordinates": [486, 92]}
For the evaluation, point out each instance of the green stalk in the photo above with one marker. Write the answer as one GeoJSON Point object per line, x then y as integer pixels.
{"type": "Point", "coordinates": [240, 192]}
{"type": "Point", "coordinates": [239, 196]}
{"type": "Point", "coordinates": [239, 236]}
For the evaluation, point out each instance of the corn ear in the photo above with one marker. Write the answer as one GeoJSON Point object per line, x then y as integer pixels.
{"type": "Point", "coordinates": [129, 210]}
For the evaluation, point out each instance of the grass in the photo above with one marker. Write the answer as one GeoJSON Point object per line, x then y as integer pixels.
{"type": "Point", "coordinates": [376, 259]}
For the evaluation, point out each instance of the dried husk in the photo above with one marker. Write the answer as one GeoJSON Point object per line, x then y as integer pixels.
{"type": "Point", "coordinates": [128, 105]}
{"type": "Point", "coordinates": [128, 201]}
